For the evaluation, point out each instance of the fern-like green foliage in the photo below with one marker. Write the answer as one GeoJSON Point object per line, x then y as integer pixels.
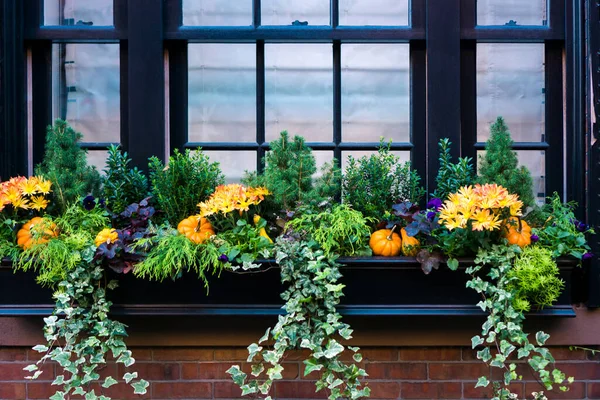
{"type": "Point", "coordinates": [188, 180]}
{"type": "Point", "coordinates": [289, 170]}
{"type": "Point", "coordinates": [341, 231]}
{"type": "Point", "coordinates": [373, 184]}
{"type": "Point", "coordinates": [122, 185]}
{"type": "Point", "coordinates": [535, 279]}
{"type": "Point", "coordinates": [452, 177]}
{"type": "Point", "coordinates": [500, 165]}
{"type": "Point", "coordinates": [175, 252]}
{"type": "Point", "coordinates": [65, 165]}
{"type": "Point", "coordinates": [54, 260]}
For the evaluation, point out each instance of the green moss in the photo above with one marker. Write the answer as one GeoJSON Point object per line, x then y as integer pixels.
{"type": "Point", "coordinates": [534, 278]}
{"type": "Point", "coordinates": [500, 164]}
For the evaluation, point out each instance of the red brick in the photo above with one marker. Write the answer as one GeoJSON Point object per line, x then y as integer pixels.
{"type": "Point", "coordinates": [298, 355]}
{"type": "Point", "coordinates": [409, 371]}
{"type": "Point", "coordinates": [524, 371]}
{"type": "Point", "coordinates": [471, 392]}
{"type": "Point", "coordinates": [122, 391]}
{"type": "Point", "coordinates": [141, 354]}
{"type": "Point", "coordinates": [183, 354]}
{"type": "Point", "coordinates": [430, 354]}
{"type": "Point", "coordinates": [581, 371]}
{"type": "Point", "coordinates": [12, 391]}
{"type": "Point", "coordinates": [14, 372]}
{"type": "Point", "coordinates": [459, 371]}
{"type": "Point", "coordinates": [14, 354]}
{"type": "Point", "coordinates": [189, 371]}
{"type": "Point", "coordinates": [431, 390]}
{"type": "Point", "coordinates": [214, 371]}
{"type": "Point", "coordinates": [373, 354]}
{"type": "Point", "coordinates": [153, 371]}
{"type": "Point", "coordinates": [227, 390]}
{"type": "Point", "coordinates": [564, 353]}
{"type": "Point", "coordinates": [297, 390]}
{"type": "Point", "coordinates": [576, 391]}
{"type": "Point", "coordinates": [237, 354]}
{"type": "Point", "coordinates": [593, 390]}
{"type": "Point", "coordinates": [182, 390]}
{"type": "Point", "coordinates": [384, 390]}
{"type": "Point", "coordinates": [39, 390]}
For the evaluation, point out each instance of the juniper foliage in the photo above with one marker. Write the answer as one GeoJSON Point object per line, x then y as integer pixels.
{"type": "Point", "coordinates": [452, 176]}
{"type": "Point", "coordinates": [65, 165]}
{"type": "Point", "coordinates": [500, 164]}
{"type": "Point", "coordinates": [122, 185]}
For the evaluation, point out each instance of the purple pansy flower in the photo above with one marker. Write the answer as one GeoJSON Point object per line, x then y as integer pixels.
{"type": "Point", "coordinates": [587, 256]}
{"type": "Point", "coordinates": [534, 238]}
{"type": "Point", "coordinates": [430, 215]}
{"type": "Point", "coordinates": [435, 204]}
{"type": "Point", "coordinates": [89, 202]}
{"type": "Point", "coordinates": [223, 258]}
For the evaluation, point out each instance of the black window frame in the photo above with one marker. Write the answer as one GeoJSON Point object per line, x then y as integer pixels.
{"type": "Point", "coordinates": [442, 35]}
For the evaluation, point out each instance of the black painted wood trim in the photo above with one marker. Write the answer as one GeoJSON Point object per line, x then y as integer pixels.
{"type": "Point", "coordinates": [554, 117]}
{"type": "Point", "coordinates": [146, 82]}
{"type": "Point", "coordinates": [178, 94]}
{"type": "Point", "coordinates": [41, 96]}
{"type": "Point", "coordinates": [418, 109]}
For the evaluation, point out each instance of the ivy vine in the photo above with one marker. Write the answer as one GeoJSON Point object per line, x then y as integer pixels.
{"type": "Point", "coordinates": [79, 335]}
{"type": "Point", "coordinates": [311, 322]}
{"type": "Point", "coordinates": [503, 328]}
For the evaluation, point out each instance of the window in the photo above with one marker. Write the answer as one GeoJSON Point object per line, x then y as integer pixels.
{"type": "Point", "coordinates": [230, 75]}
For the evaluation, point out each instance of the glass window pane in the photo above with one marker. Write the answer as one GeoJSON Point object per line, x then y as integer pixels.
{"type": "Point", "coordinates": [374, 12]}
{"type": "Point", "coordinates": [403, 155]}
{"type": "Point", "coordinates": [217, 12]}
{"type": "Point", "coordinates": [299, 91]}
{"type": "Point", "coordinates": [222, 92]}
{"type": "Point", "coordinates": [512, 12]}
{"type": "Point", "coordinates": [86, 88]}
{"type": "Point", "coordinates": [285, 12]}
{"type": "Point", "coordinates": [97, 158]}
{"type": "Point", "coordinates": [234, 163]}
{"type": "Point", "coordinates": [322, 157]}
{"type": "Point", "coordinates": [510, 83]}
{"type": "Point", "coordinates": [375, 92]}
{"type": "Point", "coordinates": [78, 12]}
{"type": "Point", "coordinates": [535, 161]}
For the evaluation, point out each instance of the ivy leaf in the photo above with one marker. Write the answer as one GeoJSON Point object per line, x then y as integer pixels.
{"type": "Point", "coordinates": [91, 395]}
{"type": "Point", "coordinates": [59, 380]}
{"type": "Point", "coordinates": [40, 348]}
{"type": "Point", "coordinates": [476, 341]}
{"type": "Point", "coordinates": [34, 376]}
{"type": "Point", "coordinates": [357, 357]}
{"type": "Point", "coordinates": [275, 372]}
{"type": "Point", "coordinates": [541, 337]}
{"type": "Point", "coordinates": [140, 387]}
{"type": "Point", "coordinates": [31, 368]}
{"type": "Point", "coordinates": [482, 382]}
{"type": "Point", "coordinates": [333, 349]}
{"type": "Point", "coordinates": [109, 381]}
{"type": "Point", "coordinates": [265, 336]}
{"type": "Point", "coordinates": [452, 264]}
{"type": "Point", "coordinates": [58, 396]}
{"type": "Point", "coordinates": [237, 375]}
{"type": "Point", "coordinates": [312, 365]}
{"type": "Point", "coordinates": [128, 377]}
{"type": "Point", "coordinates": [247, 389]}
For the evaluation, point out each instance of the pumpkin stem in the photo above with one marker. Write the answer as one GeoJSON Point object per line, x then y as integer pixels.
{"type": "Point", "coordinates": [391, 232]}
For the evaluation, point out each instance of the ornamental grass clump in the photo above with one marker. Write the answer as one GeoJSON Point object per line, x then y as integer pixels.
{"type": "Point", "coordinates": [188, 179]}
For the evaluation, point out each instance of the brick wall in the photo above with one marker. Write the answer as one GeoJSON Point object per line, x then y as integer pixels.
{"type": "Point", "coordinates": [394, 373]}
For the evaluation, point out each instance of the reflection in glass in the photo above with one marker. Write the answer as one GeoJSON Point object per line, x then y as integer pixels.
{"type": "Point", "coordinates": [234, 163]}
{"type": "Point", "coordinates": [86, 87]}
{"type": "Point", "coordinates": [97, 158]}
{"type": "Point", "coordinates": [510, 83]}
{"type": "Point", "coordinates": [78, 12]}
{"type": "Point", "coordinates": [222, 92]}
{"type": "Point", "coordinates": [299, 91]}
{"type": "Point", "coordinates": [285, 12]}
{"type": "Point", "coordinates": [217, 12]}
{"type": "Point", "coordinates": [375, 92]}
{"type": "Point", "coordinates": [374, 12]}
{"type": "Point", "coordinates": [512, 12]}
{"type": "Point", "coordinates": [535, 161]}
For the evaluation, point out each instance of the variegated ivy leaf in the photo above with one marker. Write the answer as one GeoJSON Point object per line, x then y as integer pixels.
{"type": "Point", "coordinates": [109, 381]}
{"type": "Point", "coordinates": [476, 341]}
{"type": "Point", "coordinates": [91, 395]}
{"type": "Point", "coordinates": [541, 337]}
{"type": "Point", "coordinates": [248, 389]}
{"type": "Point", "coordinates": [34, 376]}
{"type": "Point", "coordinates": [58, 396]}
{"type": "Point", "coordinates": [128, 377]}
{"type": "Point", "coordinates": [265, 336]}
{"type": "Point", "coordinates": [312, 365]}
{"type": "Point", "coordinates": [140, 387]}
{"type": "Point", "coordinates": [31, 368]}
{"type": "Point", "coordinates": [482, 382]}
{"type": "Point", "coordinates": [357, 357]}
{"type": "Point", "coordinates": [275, 372]}
{"type": "Point", "coordinates": [238, 376]}
{"type": "Point", "coordinates": [59, 380]}
{"type": "Point", "coordinates": [40, 348]}
{"type": "Point", "coordinates": [333, 349]}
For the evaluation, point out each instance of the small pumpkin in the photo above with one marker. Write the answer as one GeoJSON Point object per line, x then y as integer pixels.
{"type": "Point", "coordinates": [385, 242]}
{"type": "Point", "coordinates": [410, 244]}
{"type": "Point", "coordinates": [197, 229]}
{"type": "Point", "coordinates": [518, 232]}
{"type": "Point", "coordinates": [262, 231]}
{"type": "Point", "coordinates": [106, 235]}
{"type": "Point", "coordinates": [25, 237]}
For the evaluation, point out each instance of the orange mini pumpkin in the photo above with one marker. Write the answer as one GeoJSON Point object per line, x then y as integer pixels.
{"type": "Point", "coordinates": [106, 235]}
{"type": "Point", "coordinates": [410, 244]}
{"type": "Point", "coordinates": [197, 229]}
{"type": "Point", "coordinates": [25, 237]}
{"type": "Point", "coordinates": [518, 232]}
{"type": "Point", "coordinates": [385, 242]}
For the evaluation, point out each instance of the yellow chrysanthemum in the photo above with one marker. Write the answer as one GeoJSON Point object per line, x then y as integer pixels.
{"type": "Point", "coordinates": [38, 203]}
{"type": "Point", "coordinates": [29, 187]}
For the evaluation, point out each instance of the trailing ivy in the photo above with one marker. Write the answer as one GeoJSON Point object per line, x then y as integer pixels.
{"type": "Point", "coordinates": [503, 328]}
{"type": "Point", "coordinates": [79, 336]}
{"type": "Point", "coordinates": [311, 322]}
